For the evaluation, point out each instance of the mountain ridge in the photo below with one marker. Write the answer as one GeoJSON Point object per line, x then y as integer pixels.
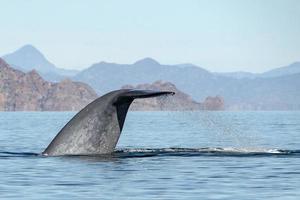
{"type": "Point", "coordinates": [241, 90]}
{"type": "Point", "coordinates": [29, 57]}
{"type": "Point", "coordinates": [23, 57]}
{"type": "Point", "coordinates": [239, 94]}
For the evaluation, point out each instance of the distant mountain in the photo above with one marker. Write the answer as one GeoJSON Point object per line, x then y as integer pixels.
{"type": "Point", "coordinates": [255, 93]}
{"type": "Point", "coordinates": [293, 68]}
{"type": "Point", "coordinates": [28, 58]}
{"type": "Point", "coordinates": [104, 76]}
{"type": "Point", "coordinates": [277, 93]}
{"type": "Point", "coordinates": [146, 62]}
{"type": "Point", "coordinates": [21, 91]}
{"type": "Point", "coordinates": [237, 75]}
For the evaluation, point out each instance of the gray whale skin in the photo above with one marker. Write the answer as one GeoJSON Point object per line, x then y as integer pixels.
{"type": "Point", "coordinates": [97, 127]}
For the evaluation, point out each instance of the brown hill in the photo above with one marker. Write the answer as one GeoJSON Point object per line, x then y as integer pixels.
{"type": "Point", "coordinates": [180, 101]}
{"type": "Point", "coordinates": [213, 103]}
{"type": "Point", "coordinates": [21, 91]}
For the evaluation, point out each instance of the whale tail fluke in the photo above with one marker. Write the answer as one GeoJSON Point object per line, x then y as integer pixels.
{"type": "Point", "coordinates": [97, 127]}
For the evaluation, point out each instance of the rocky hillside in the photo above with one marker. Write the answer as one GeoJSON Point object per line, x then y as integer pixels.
{"type": "Point", "coordinates": [21, 91]}
{"type": "Point", "coordinates": [213, 103]}
{"type": "Point", "coordinates": [180, 101]}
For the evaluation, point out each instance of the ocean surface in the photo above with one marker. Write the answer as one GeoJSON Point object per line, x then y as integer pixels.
{"type": "Point", "coordinates": [160, 155]}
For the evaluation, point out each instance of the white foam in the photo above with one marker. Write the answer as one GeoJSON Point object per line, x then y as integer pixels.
{"type": "Point", "coordinates": [207, 149]}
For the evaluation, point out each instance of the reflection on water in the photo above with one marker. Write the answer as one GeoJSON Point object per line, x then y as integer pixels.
{"type": "Point", "coordinates": [161, 155]}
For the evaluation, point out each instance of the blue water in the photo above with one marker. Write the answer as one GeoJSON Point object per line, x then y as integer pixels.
{"type": "Point", "coordinates": [160, 155]}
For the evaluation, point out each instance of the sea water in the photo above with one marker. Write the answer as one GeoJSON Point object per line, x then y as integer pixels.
{"type": "Point", "coordinates": [160, 155]}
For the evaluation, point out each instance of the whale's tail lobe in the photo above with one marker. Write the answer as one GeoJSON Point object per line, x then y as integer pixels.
{"type": "Point", "coordinates": [123, 102]}
{"type": "Point", "coordinates": [97, 127]}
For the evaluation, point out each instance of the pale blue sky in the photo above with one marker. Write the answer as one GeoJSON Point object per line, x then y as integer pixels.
{"type": "Point", "coordinates": [233, 35]}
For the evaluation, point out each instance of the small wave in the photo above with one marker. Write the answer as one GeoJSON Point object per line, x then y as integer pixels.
{"type": "Point", "coordinates": [8, 154]}
{"type": "Point", "coordinates": [208, 151]}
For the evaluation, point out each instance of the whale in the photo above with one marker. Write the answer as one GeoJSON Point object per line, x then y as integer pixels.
{"type": "Point", "coordinates": [97, 127]}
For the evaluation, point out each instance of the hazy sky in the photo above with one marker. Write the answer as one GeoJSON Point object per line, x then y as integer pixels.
{"type": "Point", "coordinates": [222, 35]}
